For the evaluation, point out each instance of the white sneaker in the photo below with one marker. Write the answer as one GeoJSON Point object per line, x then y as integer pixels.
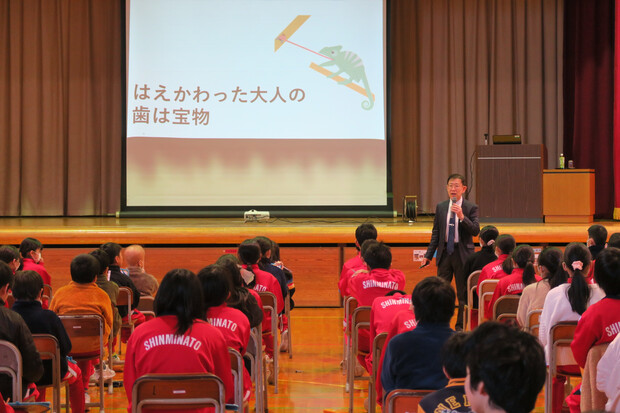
{"type": "Point", "coordinates": [269, 369]}
{"type": "Point", "coordinates": [108, 373]}
{"type": "Point", "coordinates": [284, 343]}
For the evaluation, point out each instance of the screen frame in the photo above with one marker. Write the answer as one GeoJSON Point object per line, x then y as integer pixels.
{"type": "Point", "coordinates": [280, 210]}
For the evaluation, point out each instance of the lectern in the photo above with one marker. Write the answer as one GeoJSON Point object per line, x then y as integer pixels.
{"type": "Point", "coordinates": [509, 182]}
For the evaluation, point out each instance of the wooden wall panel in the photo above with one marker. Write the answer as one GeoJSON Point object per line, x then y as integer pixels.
{"type": "Point", "coordinates": [316, 270]}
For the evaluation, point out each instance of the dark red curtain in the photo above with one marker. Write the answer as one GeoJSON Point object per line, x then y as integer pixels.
{"type": "Point", "coordinates": [616, 150]}
{"type": "Point", "coordinates": [589, 28]}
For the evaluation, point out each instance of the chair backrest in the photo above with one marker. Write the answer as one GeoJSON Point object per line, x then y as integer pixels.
{"type": "Point", "coordinates": [146, 303]}
{"type": "Point", "coordinates": [236, 365]}
{"type": "Point", "coordinates": [472, 280]}
{"type": "Point", "coordinates": [560, 337]}
{"type": "Point", "coordinates": [592, 399]}
{"type": "Point", "coordinates": [505, 308]}
{"type": "Point", "coordinates": [178, 391]}
{"type": "Point", "coordinates": [84, 326]}
{"type": "Point", "coordinates": [125, 298]}
{"type": "Point", "coordinates": [11, 364]}
{"type": "Point", "coordinates": [350, 304]}
{"type": "Point", "coordinates": [254, 352]}
{"type": "Point", "coordinates": [269, 300]}
{"type": "Point", "coordinates": [532, 323]}
{"type": "Point", "coordinates": [49, 349]}
{"type": "Point", "coordinates": [402, 401]}
{"type": "Point", "coordinates": [360, 320]}
{"type": "Point", "coordinates": [87, 327]}
{"type": "Point", "coordinates": [47, 292]}
{"type": "Point", "coordinates": [485, 294]}
{"type": "Point", "coordinates": [472, 286]}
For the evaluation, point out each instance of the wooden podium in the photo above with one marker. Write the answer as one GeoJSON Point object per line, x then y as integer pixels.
{"type": "Point", "coordinates": [568, 195]}
{"type": "Point", "coordinates": [509, 183]}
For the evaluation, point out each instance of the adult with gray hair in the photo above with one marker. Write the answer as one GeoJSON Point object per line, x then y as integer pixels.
{"type": "Point", "coordinates": [135, 257]}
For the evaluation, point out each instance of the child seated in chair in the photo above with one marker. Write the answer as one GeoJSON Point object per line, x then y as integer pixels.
{"type": "Point", "coordinates": [600, 323]}
{"type": "Point", "coordinates": [178, 339]}
{"type": "Point", "coordinates": [14, 330]}
{"type": "Point", "coordinates": [232, 323]}
{"type": "Point", "coordinates": [28, 290]}
{"type": "Point", "coordinates": [505, 369]}
{"type": "Point", "coordinates": [83, 296]}
{"type": "Point", "coordinates": [412, 359]}
{"type": "Point", "coordinates": [452, 397]}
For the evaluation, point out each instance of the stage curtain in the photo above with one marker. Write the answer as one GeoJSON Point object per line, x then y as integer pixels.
{"type": "Point", "coordinates": [60, 107]}
{"type": "Point", "coordinates": [460, 69]}
{"type": "Point", "coordinates": [616, 151]}
{"type": "Point", "coordinates": [589, 95]}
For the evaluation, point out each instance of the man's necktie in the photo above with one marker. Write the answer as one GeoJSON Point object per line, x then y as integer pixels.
{"type": "Point", "coordinates": [452, 227]}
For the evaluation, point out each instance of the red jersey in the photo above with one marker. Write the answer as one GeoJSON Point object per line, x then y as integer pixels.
{"type": "Point", "coordinates": [382, 313]}
{"type": "Point", "coordinates": [365, 287]}
{"type": "Point", "coordinates": [233, 324]}
{"type": "Point", "coordinates": [267, 282]}
{"type": "Point", "coordinates": [30, 265]}
{"type": "Point", "coordinates": [508, 285]}
{"type": "Point", "coordinates": [154, 347]}
{"type": "Point", "coordinates": [348, 269]}
{"type": "Point", "coordinates": [235, 328]}
{"type": "Point", "coordinates": [599, 324]}
{"type": "Point", "coordinates": [402, 322]}
{"type": "Point", "coordinates": [493, 270]}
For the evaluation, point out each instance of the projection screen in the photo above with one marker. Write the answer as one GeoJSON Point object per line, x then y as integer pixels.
{"type": "Point", "coordinates": [255, 104]}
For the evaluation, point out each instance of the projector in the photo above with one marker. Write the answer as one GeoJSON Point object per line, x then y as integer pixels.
{"type": "Point", "coordinates": [255, 216]}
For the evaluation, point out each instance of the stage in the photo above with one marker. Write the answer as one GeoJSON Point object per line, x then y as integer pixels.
{"type": "Point", "coordinates": [313, 249]}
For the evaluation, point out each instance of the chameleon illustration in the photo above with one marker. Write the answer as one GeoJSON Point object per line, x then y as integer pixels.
{"type": "Point", "coordinates": [352, 65]}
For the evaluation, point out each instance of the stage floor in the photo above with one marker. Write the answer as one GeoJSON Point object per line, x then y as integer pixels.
{"type": "Point", "coordinates": [314, 249]}
{"type": "Point", "coordinates": [231, 231]}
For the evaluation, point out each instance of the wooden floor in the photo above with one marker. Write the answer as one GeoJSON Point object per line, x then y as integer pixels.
{"type": "Point", "coordinates": [309, 382]}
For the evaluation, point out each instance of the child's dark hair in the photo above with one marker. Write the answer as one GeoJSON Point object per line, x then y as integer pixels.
{"type": "Point", "coordinates": [84, 269]}
{"type": "Point", "coordinates": [614, 240]}
{"type": "Point", "coordinates": [364, 232]}
{"type": "Point", "coordinates": [112, 249]}
{"type": "Point", "coordinates": [394, 292]}
{"type": "Point", "coordinates": [29, 244]}
{"type": "Point", "coordinates": [433, 301]}
{"type": "Point", "coordinates": [506, 243]}
{"type": "Point", "coordinates": [551, 259]}
{"type": "Point", "coordinates": [27, 285]}
{"type": "Point", "coordinates": [376, 254]}
{"type": "Point", "coordinates": [607, 271]}
{"type": "Point", "coordinates": [453, 355]}
{"type": "Point", "coordinates": [275, 251]}
{"type": "Point", "coordinates": [265, 245]}
{"type": "Point", "coordinates": [6, 275]}
{"type": "Point", "coordinates": [8, 253]}
{"type": "Point", "coordinates": [502, 356]}
{"type": "Point", "coordinates": [524, 257]}
{"type": "Point", "coordinates": [249, 252]}
{"type": "Point", "coordinates": [598, 233]}
{"type": "Point", "coordinates": [231, 263]}
{"type": "Point", "coordinates": [489, 234]}
{"type": "Point", "coordinates": [577, 255]}
{"type": "Point", "coordinates": [215, 284]}
{"type": "Point", "coordinates": [102, 258]}
{"type": "Point", "coordinates": [180, 294]}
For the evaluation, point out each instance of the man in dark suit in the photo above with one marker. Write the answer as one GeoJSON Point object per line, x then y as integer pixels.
{"type": "Point", "coordinates": [455, 225]}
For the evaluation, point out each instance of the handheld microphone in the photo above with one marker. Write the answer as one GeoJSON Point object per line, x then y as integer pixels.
{"type": "Point", "coordinates": [453, 199]}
